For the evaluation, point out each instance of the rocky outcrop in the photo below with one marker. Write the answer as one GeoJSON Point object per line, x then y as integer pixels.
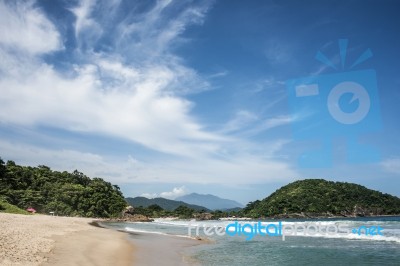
{"type": "Point", "coordinates": [133, 218]}
{"type": "Point", "coordinates": [128, 210]}
{"type": "Point", "coordinates": [357, 211]}
{"type": "Point", "coordinates": [129, 215]}
{"type": "Point", "coordinates": [303, 215]}
{"type": "Point", "coordinates": [203, 216]}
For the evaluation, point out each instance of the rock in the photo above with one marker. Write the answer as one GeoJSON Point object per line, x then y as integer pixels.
{"type": "Point", "coordinates": [128, 210]}
{"type": "Point", "coordinates": [132, 218]}
{"type": "Point", "coordinates": [203, 216]}
{"type": "Point", "coordinates": [358, 211]}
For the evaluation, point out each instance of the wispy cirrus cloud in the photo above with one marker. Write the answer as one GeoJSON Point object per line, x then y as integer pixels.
{"type": "Point", "coordinates": [232, 167]}
{"type": "Point", "coordinates": [105, 94]}
{"type": "Point", "coordinates": [246, 123]}
{"type": "Point", "coordinates": [277, 51]}
{"type": "Point", "coordinates": [24, 28]}
{"type": "Point", "coordinates": [121, 80]}
{"type": "Point", "coordinates": [241, 120]}
{"type": "Point", "coordinates": [391, 165]}
{"type": "Point", "coordinates": [87, 30]}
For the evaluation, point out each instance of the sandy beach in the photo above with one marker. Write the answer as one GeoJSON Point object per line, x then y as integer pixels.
{"type": "Point", "coordinates": [151, 249]}
{"type": "Point", "coordinates": [47, 240]}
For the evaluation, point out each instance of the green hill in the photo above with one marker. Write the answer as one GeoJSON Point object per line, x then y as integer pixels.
{"type": "Point", "coordinates": [70, 194]}
{"type": "Point", "coordinates": [9, 208]}
{"type": "Point", "coordinates": [318, 197]}
{"type": "Point", "coordinates": [210, 201]}
{"type": "Point", "coordinates": [166, 204]}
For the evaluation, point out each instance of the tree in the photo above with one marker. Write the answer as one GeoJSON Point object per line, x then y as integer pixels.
{"type": "Point", "coordinates": [62, 192]}
{"type": "Point", "coordinates": [184, 212]}
{"type": "Point", "coordinates": [3, 178]}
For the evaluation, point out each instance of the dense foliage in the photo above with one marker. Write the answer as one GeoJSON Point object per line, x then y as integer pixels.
{"type": "Point", "coordinates": [166, 204]}
{"type": "Point", "coordinates": [182, 212]}
{"type": "Point", "coordinates": [9, 208]}
{"type": "Point", "coordinates": [321, 196]}
{"type": "Point", "coordinates": [71, 194]}
{"type": "Point", "coordinates": [155, 211]}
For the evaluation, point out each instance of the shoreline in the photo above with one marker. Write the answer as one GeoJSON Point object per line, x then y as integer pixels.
{"type": "Point", "coordinates": [159, 249]}
{"type": "Point", "coordinates": [32, 240]}
{"type": "Point", "coordinates": [151, 249]}
{"type": "Point", "coordinates": [298, 217]}
{"type": "Point", "coordinates": [100, 246]}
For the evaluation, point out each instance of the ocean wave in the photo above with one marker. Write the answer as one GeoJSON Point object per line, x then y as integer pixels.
{"type": "Point", "coordinates": [391, 229]}
{"type": "Point", "coordinates": [134, 230]}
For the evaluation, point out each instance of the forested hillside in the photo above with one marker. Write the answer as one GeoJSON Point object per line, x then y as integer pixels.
{"type": "Point", "coordinates": [166, 204]}
{"type": "Point", "coordinates": [72, 194]}
{"type": "Point", "coordinates": [321, 197]}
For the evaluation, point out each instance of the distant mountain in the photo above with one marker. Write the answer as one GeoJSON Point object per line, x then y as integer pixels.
{"type": "Point", "coordinates": [210, 201]}
{"type": "Point", "coordinates": [166, 204]}
{"type": "Point", "coordinates": [236, 209]}
{"type": "Point", "coordinates": [319, 197]}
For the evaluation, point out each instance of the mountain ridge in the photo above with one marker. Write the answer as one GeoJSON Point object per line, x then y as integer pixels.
{"type": "Point", "coordinates": [210, 201]}
{"type": "Point", "coordinates": [322, 198]}
{"type": "Point", "coordinates": [164, 203]}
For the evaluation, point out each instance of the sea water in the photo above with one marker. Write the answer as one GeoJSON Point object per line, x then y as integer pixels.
{"type": "Point", "coordinates": [317, 249]}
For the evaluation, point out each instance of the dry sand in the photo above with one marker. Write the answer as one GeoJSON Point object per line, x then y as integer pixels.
{"type": "Point", "coordinates": [47, 240]}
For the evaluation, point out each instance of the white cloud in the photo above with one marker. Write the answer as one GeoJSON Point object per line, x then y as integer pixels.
{"type": "Point", "coordinates": [149, 195]}
{"type": "Point", "coordinates": [139, 111]}
{"type": "Point", "coordinates": [176, 192]}
{"type": "Point", "coordinates": [25, 28]}
{"type": "Point", "coordinates": [269, 83]}
{"type": "Point", "coordinates": [241, 120]}
{"type": "Point", "coordinates": [277, 121]}
{"type": "Point", "coordinates": [391, 165]}
{"type": "Point", "coordinates": [87, 30]}
{"type": "Point", "coordinates": [58, 159]}
{"type": "Point", "coordinates": [230, 168]}
{"type": "Point", "coordinates": [134, 93]}
{"type": "Point", "coordinates": [82, 13]}
{"type": "Point", "coordinates": [246, 123]}
{"type": "Point", "coordinates": [105, 95]}
{"type": "Point", "coordinates": [267, 124]}
{"type": "Point", "coordinates": [218, 74]}
{"type": "Point", "coordinates": [155, 32]}
{"type": "Point", "coordinates": [278, 52]}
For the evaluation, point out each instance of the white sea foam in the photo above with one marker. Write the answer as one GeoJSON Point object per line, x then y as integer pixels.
{"type": "Point", "coordinates": [134, 230]}
{"type": "Point", "coordinates": [391, 230]}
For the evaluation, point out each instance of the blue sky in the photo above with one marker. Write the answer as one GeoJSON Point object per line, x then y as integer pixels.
{"type": "Point", "coordinates": [170, 97]}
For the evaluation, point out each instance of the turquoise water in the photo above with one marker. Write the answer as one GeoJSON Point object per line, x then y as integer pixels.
{"type": "Point", "coordinates": [319, 249]}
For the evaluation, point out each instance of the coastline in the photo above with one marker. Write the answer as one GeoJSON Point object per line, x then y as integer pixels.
{"type": "Point", "coordinates": [151, 249]}
{"type": "Point", "coordinates": [92, 247]}
{"type": "Point", "coordinates": [159, 249]}
{"type": "Point", "coordinates": [53, 240]}
{"type": "Point", "coordinates": [33, 240]}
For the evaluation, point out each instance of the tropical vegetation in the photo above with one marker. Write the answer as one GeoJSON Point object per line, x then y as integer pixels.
{"type": "Point", "coordinates": [319, 196]}
{"type": "Point", "coordinates": [64, 193]}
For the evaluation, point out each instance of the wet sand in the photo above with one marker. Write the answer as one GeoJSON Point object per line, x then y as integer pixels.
{"type": "Point", "coordinates": [32, 240]}
{"type": "Point", "coordinates": [92, 247]}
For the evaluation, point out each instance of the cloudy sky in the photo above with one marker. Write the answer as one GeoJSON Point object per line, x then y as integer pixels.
{"type": "Point", "coordinates": [167, 97]}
